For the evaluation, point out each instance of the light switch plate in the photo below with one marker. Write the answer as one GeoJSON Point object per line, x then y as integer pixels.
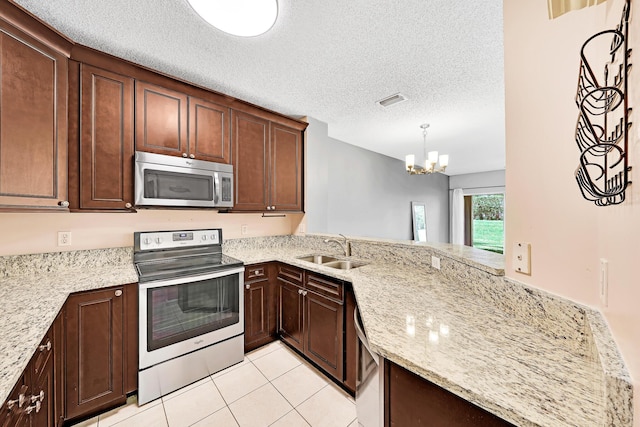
{"type": "Point", "coordinates": [522, 257]}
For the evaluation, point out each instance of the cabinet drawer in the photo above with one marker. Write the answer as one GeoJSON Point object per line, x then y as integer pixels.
{"type": "Point", "coordinates": [43, 353]}
{"type": "Point", "coordinates": [253, 272]}
{"type": "Point", "coordinates": [324, 286]}
{"type": "Point", "coordinates": [291, 273]}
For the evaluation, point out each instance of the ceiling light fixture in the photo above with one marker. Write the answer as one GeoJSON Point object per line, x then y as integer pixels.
{"type": "Point", "coordinates": [430, 159]}
{"type": "Point", "coordinates": [245, 18]}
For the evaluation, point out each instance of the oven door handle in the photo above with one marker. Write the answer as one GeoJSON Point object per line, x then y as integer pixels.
{"type": "Point", "coordinates": [190, 279]}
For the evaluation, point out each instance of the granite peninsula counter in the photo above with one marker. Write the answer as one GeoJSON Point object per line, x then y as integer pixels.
{"type": "Point", "coordinates": [523, 355]}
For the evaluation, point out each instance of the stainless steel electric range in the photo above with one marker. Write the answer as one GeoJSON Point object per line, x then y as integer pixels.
{"type": "Point", "coordinates": [191, 309]}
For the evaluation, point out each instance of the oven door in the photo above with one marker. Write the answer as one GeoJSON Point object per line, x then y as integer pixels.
{"type": "Point", "coordinates": [181, 315]}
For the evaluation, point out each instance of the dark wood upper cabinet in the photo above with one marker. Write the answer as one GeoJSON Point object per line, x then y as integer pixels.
{"type": "Point", "coordinates": [209, 131]}
{"type": "Point", "coordinates": [161, 120]}
{"type": "Point", "coordinates": [100, 139]}
{"type": "Point", "coordinates": [267, 164]}
{"type": "Point", "coordinates": [286, 168]}
{"type": "Point", "coordinates": [174, 123]}
{"type": "Point", "coordinates": [33, 115]}
{"type": "Point", "coordinates": [94, 351]}
{"type": "Point", "coordinates": [250, 161]}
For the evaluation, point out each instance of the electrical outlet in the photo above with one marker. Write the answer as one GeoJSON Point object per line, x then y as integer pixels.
{"type": "Point", "coordinates": [522, 257]}
{"type": "Point", "coordinates": [604, 282]}
{"type": "Point", "coordinates": [64, 238]}
{"type": "Point", "coordinates": [244, 229]}
{"type": "Point", "coordinates": [435, 262]}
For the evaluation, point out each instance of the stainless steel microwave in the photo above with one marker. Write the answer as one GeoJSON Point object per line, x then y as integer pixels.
{"type": "Point", "coordinates": [170, 181]}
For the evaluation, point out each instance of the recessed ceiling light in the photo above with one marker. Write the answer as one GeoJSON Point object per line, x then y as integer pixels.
{"type": "Point", "coordinates": [244, 18]}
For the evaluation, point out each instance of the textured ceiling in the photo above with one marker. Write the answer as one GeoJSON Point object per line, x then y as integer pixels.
{"type": "Point", "coordinates": [331, 60]}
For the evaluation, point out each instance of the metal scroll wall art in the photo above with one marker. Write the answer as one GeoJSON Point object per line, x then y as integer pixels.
{"type": "Point", "coordinates": [603, 124]}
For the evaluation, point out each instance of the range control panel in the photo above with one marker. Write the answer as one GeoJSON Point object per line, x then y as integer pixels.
{"type": "Point", "coordinates": [177, 239]}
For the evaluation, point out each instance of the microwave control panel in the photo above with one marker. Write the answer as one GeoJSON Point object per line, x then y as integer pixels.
{"type": "Point", "coordinates": [178, 239]}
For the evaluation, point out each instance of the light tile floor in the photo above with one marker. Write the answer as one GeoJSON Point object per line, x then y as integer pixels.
{"type": "Point", "coordinates": [273, 386]}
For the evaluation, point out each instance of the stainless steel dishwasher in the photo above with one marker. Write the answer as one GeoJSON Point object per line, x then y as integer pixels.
{"type": "Point", "coordinates": [369, 381]}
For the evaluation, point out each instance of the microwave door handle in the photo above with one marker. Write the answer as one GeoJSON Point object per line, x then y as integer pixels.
{"type": "Point", "coordinates": [216, 187]}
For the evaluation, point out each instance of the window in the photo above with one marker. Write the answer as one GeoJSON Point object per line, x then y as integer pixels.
{"type": "Point", "coordinates": [484, 222]}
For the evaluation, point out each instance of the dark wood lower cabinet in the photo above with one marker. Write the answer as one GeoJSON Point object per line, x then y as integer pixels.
{"type": "Point", "coordinates": [32, 401]}
{"type": "Point", "coordinates": [259, 306]}
{"type": "Point", "coordinates": [350, 341]}
{"type": "Point", "coordinates": [311, 317]}
{"type": "Point", "coordinates": [97, 367]}
{"type": "Point", "coordinates": [412, 401]}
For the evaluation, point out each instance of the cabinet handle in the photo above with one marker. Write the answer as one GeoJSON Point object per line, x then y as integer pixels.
{"type": "Point", "coordinates": [22, 398]}
{"type": "Point", "coordinates": [300, 291]}
{"type": "Point", "coordinates": [304, 293]}
{"type": "Point", "coordinates": [46, 346]}
{"type": "Point", "coordinates": [29, 409]}
{"type": "Point", "coordinates": [127, 205]}
{"type": "Point", "coordinates": [63, 204]}
{"type": "Point", "coordinates": [37, 397]}
{"type": "Point", "coordinates": [184, 155]}
{"type": "Point", "coordinates": [247, 286]}
{"type": "Point", "coordinates": [192, 156]}
{"type": "Point", "coordinates": [118, 293]}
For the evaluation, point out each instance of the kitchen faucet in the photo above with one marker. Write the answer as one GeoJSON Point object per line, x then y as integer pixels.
{"type": "Point", "coordinates": [346, 246]}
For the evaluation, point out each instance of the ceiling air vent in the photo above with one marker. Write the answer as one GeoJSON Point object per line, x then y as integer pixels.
{"type": "Point", "coordinates": [391, 100]}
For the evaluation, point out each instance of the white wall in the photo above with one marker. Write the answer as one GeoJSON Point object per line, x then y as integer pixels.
{"type": "Point", "coordinates": [357, 192]}
{"type": "Point", "coordinates": [568, 234]}
{"type": "Point", "coordinates": [479, 183]}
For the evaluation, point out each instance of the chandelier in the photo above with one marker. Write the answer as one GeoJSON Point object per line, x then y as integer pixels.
{"type": "Point", "coordinates": [430, 159]}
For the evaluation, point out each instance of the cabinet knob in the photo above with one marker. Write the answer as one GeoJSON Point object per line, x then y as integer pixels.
{"type": "Point", "coordinates": [184, 155]}
{"type": "Point", "coordinates": [268, 208]}
{"type": "Point", "coordinates": [46, 346]}
{"type": "Point", "coordinates": [127, 205]}
{"type": "Point", "coordinates": [304, 293]}
{"type": "Point", "coordinates": [63, 204]}
{"type": "Point", "coordinates": [300, 291]}
{"type": "Point", "coordinates": [192, 156]}
{"type": "Point", "coordinates": [247, 286]}
{"type": "Point", "coordinates": [118, 293]}
{"type": "Point", "coordinates": [273, 208]}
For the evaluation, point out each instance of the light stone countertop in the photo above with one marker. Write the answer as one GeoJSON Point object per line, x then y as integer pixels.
{"type": "Point", "coordinates": [420, 320]}
{"type": "Point", "coordinates": [31, 302]}
{"type": "Point", "coordinates": [413, 316]}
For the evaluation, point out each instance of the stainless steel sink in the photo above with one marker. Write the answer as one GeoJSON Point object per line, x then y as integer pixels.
{"type": "Point", "coordinates": [345, 265]}
{"type": "Point", "coordinates": [318, 259]}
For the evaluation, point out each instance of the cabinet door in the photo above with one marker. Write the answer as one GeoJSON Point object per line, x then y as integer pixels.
{"type": "Point", "coordinates": [323, 333]}
{"type": "Point", "coordinates": [33, 122]}
{"type": "Point", "coordinates": [42, 377]}
{"type": "Point", "coordinates": [286, 168]}
{"type": "Point", "coordinates": [412, 400]}
{"type": "Point", "coordinates": [94, 351]}
{"type": "Point", "coordinates": [161, 120]}
{"type": "Point", "coordinates": [106, 140]}
{"type": "Point", "coordinates": [250, 136]}
{"type": "Point", "coordinates": [290, 313]}
{"type": "Point", "coordinates": [256, 313]}
{"type": "Point", "coordinates": [11, 415]}
{"type": "Point", "coordinates": [209, 131]}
